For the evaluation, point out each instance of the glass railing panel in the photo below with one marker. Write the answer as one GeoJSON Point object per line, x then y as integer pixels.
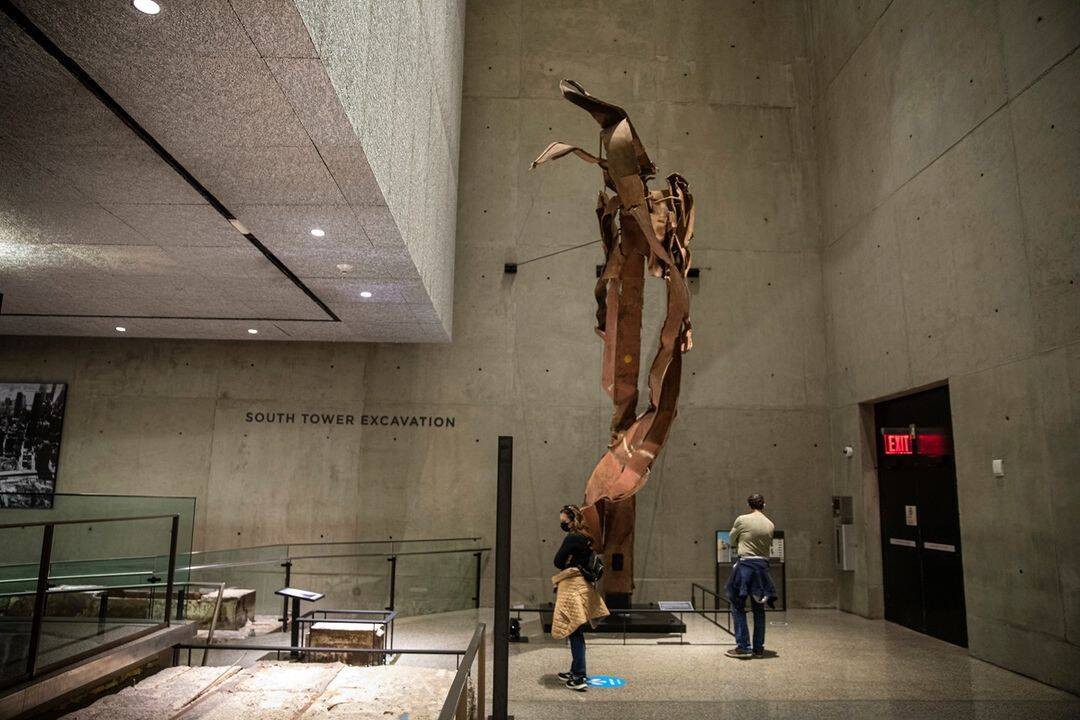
{"type": "Point", "coordinates": [263, 577]}
{"type": "Point", "coordinates": [435, 582]}
{"type": "Point", "coordinates": [341, 548]}
{"type": "Point", "coordinates": [79, 616]}
{"type": "Point", "coordinates": [112, 561]}
{"type": "Point", "coordinates": [435, 545]}
{"type": "Point", "coordinates": [261, 553]}
{"type": "Point", "coordinates": [22, 548]}
{"type": "Point", "coordinates": [350, 583]}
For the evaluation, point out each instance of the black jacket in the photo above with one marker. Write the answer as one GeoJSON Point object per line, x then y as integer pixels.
{"type": "Point", "coordinates": [573, 552]}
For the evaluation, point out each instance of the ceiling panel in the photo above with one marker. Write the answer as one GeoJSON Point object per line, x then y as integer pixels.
{"type": "Point", "coordinates": [271, 175]}
{"type": "Point", "coordinates": [94, 221]}
{"type": "Point", "coordinates": [114, 173]}
{"type": "Point", "coordinates": [42, 223]}
{"type": "Point", "coordinates": [168, 225]}
{"type": "Point", "coordinates": [223, 262]}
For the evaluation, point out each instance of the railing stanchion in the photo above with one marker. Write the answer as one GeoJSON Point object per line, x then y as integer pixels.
{"type": "Point", "coordinates": [481, 677]}
{"type": "Point", "coordinates": [479, 561]}
{"type": "Point", "coordinates": [295, 636]}
{"type": "Point", "coordinates": [285, 601]}
{"type": "Point", "coordinates": [175, 531]}
{"type": "Point", "coordinates": [393, 579]}
{"type": "Point", "coordinates": [39, 599]}
{"type": "Point", "coordinates": [103, 610]}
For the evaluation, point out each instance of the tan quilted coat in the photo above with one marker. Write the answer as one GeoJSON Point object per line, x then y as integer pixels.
{"type": "Point", "coordinates": [576, 603]}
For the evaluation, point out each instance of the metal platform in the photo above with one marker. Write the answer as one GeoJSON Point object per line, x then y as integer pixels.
{"type": "Point", "coordinates": [638, 620]}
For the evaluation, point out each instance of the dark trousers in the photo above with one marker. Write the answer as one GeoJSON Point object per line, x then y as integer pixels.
{"type": "Point", "coordinates": [742, 632]}
{"type": "Point", "coordinates": [577, 652]}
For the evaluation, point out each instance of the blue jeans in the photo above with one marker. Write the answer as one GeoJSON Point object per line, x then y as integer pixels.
{"type": "Point", "coordinates": [742, 632]}
{"type": "Point", "coordinates": [577, 652]}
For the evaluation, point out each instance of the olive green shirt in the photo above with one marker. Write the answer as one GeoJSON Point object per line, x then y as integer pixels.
{"type": "Point", "coordinates": [752, 535]}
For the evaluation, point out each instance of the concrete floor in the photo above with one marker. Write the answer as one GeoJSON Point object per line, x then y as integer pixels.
{"type": "Point", "coordinates": [828, 665]}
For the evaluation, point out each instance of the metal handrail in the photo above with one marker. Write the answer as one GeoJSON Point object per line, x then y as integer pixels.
{"type": "Point", "coordinates": [290, 558]}
{"type": "Point", "coordinates": [308, 648]}
{"type": "Point", "coordinates": [103, 588]}
{"type": "Point", "coordinates": [257, 547]}
{"type": "Point", "coordinates": [699, 586]}
{"type": "Point", "coordinates": [696, 586]}
{"type": "Point", "coordinates": [398, 554]}
{"type": "Point", "coordinates": [87, 521]}
{"type": "Point", "coordinates": [244, 563]}
{"type": "Point", "coordinates": [454, 703]}
{"type": "Point", "coordinates": [93, 588]}
{"type": "Point", "coordinates": [367, 542]}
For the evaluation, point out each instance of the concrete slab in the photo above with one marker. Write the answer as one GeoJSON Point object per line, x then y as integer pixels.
{"type": "Point", "coordinates": [280, 690]}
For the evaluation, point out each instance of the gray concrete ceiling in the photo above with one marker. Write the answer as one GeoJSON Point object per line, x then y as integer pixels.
{"type": "Point", "coordinates": [99, 229]}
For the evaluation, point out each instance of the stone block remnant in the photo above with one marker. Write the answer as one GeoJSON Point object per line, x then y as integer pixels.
{"type": "Point", "coordinates": [347, 635]}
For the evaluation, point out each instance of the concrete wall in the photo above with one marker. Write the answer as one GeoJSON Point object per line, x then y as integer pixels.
{"type": "Point", "coordinates": [396, 66]}
{"type": "Point", "coordinates": [719, 92]}
{"type": "Point", "coordinates": [152, 417]}
{"type": "Point", "coordinates": [948, 145]}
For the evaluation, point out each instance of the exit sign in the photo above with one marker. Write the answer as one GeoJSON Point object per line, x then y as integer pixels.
{"type": "Point", "coordinates": [910, 440]}
{"type": "Point", "coordinates": [898, 443]}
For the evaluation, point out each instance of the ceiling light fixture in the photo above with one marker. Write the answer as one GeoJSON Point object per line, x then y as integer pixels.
{"type": "Point", "coordinates": [121, 329]}
{"type": "Point", "coordinates": [147, 6]}
{"type": "Point", "coordinates": [344, 267]}
{"type": "Point", "coordinates": [365, 294]}
{"type": "Point", "coordinates": [252, 331]}
{"type": "Point", "coordinates": [317, 232]}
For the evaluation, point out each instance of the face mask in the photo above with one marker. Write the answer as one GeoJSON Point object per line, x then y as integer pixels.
{"type": "Point", "coordinates": [565, 526]}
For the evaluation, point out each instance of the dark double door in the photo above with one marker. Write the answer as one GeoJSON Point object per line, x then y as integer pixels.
{"type": "Point", "coordinates": [920, 519]}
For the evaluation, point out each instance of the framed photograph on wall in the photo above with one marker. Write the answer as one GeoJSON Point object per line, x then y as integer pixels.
{"type": "Point", "coordinates": [31, 423]}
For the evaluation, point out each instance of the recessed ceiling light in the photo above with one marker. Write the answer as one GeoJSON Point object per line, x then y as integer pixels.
{"type": "Point", "coordinates": [365, 294]}
{"type": "Point", "coordinates": [121, 329]}
{"type": "Point", "coordinates": [147, 6]}
{"type": "Point", "coordinates": [252, 331]}
{"type": "Point", "coordinates": [318, 232]}
{"type": "Point", "coordinates": [344, 267]}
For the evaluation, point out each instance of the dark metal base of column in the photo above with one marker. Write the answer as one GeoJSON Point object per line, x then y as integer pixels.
{"type": "Point", "coordinates": [632, 623]}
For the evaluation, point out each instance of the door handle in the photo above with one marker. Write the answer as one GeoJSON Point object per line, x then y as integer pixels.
{"type": "Point", "coordinates": [941, 547]}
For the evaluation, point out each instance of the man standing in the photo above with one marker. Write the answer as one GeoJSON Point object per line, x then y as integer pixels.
{"type": "Point", "coordinates": [751, 538]}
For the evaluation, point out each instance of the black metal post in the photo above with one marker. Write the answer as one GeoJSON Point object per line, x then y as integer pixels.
{"type": "Point", "coordinates": [103, 610]}
{"type": "Point", "coordinates": [39, 599]}
{"type": "Point", "coordinates": [175, 531]}
{"type": "Point", "coordinates": [479, 560]}
{"type": "Point", "coordinates": [393, 579]}
{"type": "Point", "coordinates": [501, 675]}
{"type": "Point", "coordinates": [294, 638]}
{"type": "Point", "coordinates": [285, 601]}
{"type": "Point", "coordinates": [717, 587]}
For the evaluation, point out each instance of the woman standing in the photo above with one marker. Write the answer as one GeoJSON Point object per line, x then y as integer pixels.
{"type": "Point", "coordinates": [576, 600]}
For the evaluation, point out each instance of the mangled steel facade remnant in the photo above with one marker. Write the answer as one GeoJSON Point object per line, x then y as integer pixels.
{"type": "Point", "coordinates": [638, 227]}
